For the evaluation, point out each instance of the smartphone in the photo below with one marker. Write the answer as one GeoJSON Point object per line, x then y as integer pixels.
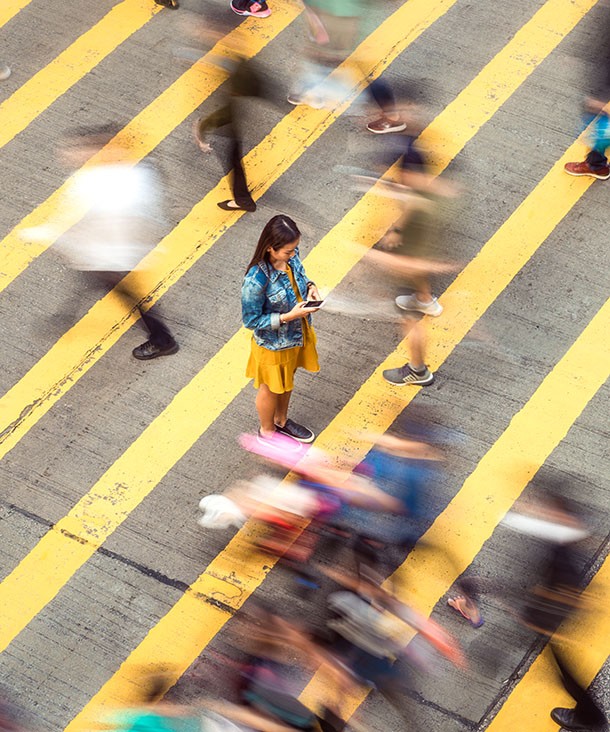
{"type": "Point", "coordinates": [313, 304]}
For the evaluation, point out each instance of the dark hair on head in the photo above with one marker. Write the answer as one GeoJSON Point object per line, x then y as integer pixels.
{"type": "Point", "coordinates": [278, 232]}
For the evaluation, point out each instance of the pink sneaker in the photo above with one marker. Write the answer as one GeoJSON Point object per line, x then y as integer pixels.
{"type": "Point", "coordinates": [256, 9]}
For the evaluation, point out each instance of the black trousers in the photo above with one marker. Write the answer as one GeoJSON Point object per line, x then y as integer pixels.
{"type": "Point", "coordinates": [586, 710]}
{"type": "Point", "coordinates": [159, 333]}
{"type": "Point", "coordinates": [241, 193]}
{"type": "Point", "coordinates": [596, 159]}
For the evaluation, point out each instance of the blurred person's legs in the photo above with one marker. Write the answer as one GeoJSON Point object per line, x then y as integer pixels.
{"type": "Point", "coordinates": [415, 371]}
{"type": "Point", "coordinates": [595, 165]}
{"type": "Point", "coordinates": [160, 341]}
{"type": "Point", "coordinates": [242, 200]}
{"type": "Point", "coordinates": [421, 300]}
{"type": "Point", "coordinates": [390, 120]}
{"type": "Point", "coordinates": [586, 715]}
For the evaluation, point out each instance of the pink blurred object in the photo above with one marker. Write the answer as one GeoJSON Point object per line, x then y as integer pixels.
{"type": "Point", "coordinates": [279, 449]}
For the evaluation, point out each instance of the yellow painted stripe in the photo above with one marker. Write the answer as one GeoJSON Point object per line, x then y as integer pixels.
{"type": "Point", "coordinates": [157, 650]}
{"type": "Point", "coordinates": [368, 218]}
{"type": "Point", "coordinates": [126, 483]}
{"type": "Point", "coordinates": [146, 131]}
{"type": "Point", "coordinates": [88, 340]}
{"type": "Point", "coordinates": [9, 9]}
{"type": "Point", "coordinates": [588, 645]}
{"type": "Point", "coordinates": [503, 473]}
{"type": "Point", "coordinates": [176, 641]}
{"type": "Point", "coordinates": [45, 87]}
{"type": "Point", "coordinates": [110, 501]}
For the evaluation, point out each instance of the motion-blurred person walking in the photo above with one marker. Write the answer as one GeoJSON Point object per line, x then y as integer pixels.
{"type": "Point", "coordinates": [410, 249]}
{"type": "Point", "coordinates": [122, 205]}
{"type": "Point", "coordinates": [244, 82]}
{"type": "Point", "coordinates": [334, 28]}
{"type": "Point", "coordinates": [595, 165]}
{"type": "Point", "coordinates": [555, 595]}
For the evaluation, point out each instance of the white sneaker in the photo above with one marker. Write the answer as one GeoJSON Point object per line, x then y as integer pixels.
{"type": "Point", "coordinates": [410, 302]}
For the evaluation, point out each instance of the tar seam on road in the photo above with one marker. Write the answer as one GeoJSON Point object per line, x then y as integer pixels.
{"type": "Point", "coordinates": [78, 349]}
{"type": "Point", "coordinates": [79, 559]}
{"type": "Point", "coordinates": [223, 367]}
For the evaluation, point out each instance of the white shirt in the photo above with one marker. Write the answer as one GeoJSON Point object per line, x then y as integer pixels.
{"type": "Point", "coordinates": [123, 213]}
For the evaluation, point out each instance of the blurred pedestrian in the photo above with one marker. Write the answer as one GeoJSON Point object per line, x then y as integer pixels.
{"type": "Point", "coordinates": [334, 29]}
{"type": "Point", "coordinates": [410, 250]}
{"type": "Point", "coordinates": [122, 205]}
{"type": "Point", "coordinates": [555, 595]}
{"type": "Point", "coordinates": [5, 71]}
{"type": "Point", "coordinates": [275, 292]}
{"type": "Point", "coordinates": [595, 165]}
{"type": "Point", "coordinates": [371, 630]}
{"type": "Point", "coordinates": [244, 82]}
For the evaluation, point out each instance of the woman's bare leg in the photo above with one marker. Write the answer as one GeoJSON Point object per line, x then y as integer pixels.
{"type": "Point", "coordinates": [267, 408]}
{"type": "Point", "coordinates": [281, 410]}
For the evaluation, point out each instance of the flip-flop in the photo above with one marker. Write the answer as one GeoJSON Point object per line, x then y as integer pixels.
{"type": "Point", "coordinates": [455, 605]}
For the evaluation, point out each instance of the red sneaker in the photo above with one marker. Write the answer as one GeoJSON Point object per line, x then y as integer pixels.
{"type": "Point", "coordinates": [585, 169]}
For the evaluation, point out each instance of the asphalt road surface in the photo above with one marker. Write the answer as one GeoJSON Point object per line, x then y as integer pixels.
{"type": "Point", "coordinates": [105, 571]}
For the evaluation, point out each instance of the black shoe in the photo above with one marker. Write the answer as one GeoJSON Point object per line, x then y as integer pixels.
{"type": "Point", "coordinates": [567, 718]}
{"type": "Point", "coordinates": [296, 431]}
{"type": "Point", "coordinates": [168, 4]}
{"type": "Point", "coordinates": [224, 205]}
{"type": "Point", "coordinates": [149, 350]}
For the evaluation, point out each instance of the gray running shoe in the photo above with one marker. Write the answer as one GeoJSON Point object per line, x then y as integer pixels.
{"type": "Point", "coordinates": [406, 375]}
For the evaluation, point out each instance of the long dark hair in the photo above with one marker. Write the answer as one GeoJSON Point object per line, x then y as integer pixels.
{"type": "Point", "coordinates": [278, 232]}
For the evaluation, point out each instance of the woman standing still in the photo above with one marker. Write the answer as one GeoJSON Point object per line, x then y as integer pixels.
{"type": "Point", "coordinates": [274, 293]}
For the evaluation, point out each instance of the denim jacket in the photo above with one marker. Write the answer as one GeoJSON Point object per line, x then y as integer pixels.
{"type": "Point", "coordinates": [265, 294]}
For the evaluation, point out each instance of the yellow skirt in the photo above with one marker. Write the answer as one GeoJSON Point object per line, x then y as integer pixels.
{"type": "Point", "coordinates": [276, 369]}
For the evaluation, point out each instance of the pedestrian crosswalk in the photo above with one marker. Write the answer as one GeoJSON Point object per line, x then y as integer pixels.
{"type": "Point", "coordinates": [10, 8]}
{"type": "Point", "coordinates": [534, 430]}
{"type": "Point", "coordinates": [66, 69]}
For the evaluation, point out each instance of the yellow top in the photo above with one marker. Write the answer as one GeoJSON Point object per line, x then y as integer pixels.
{"type": "Point", "coordinates": [276, 369]}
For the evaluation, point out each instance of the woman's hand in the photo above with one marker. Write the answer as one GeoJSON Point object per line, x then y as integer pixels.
{"type": "Point", "coordinates": [312, 292]}
{"type": "Point", "coordinates": [298, 311]}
